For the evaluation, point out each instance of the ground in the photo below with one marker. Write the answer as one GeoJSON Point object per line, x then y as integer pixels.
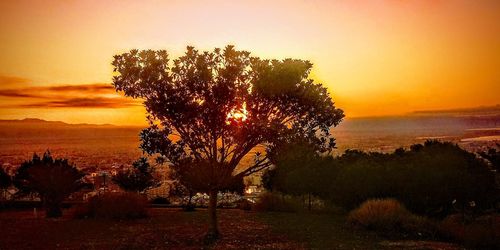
{"type": "Point", "coordinates": [174, 229]}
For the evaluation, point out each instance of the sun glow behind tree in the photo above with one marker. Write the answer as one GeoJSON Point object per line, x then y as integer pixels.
{"type": "Point", "coordinates": [221, 106]}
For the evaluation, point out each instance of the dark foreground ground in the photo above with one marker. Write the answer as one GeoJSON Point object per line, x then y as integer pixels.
{"type": "Point", "coordinates": [174, 229]}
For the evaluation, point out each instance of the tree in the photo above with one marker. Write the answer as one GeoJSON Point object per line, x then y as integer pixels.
{"type": "Point", "coordinates": [137, 179]}
{"type": "Point", "coordinates": [209, 110]}
{"type": "Point", "coordinates": [52, 179]}
{"type": "Point", "coordinates": [5, 182]}
{"type": "Point", "coordinates": [297, 171]}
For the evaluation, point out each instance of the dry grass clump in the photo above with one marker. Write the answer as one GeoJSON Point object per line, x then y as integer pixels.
{"type": "Point", "coordinates": [390, 216]}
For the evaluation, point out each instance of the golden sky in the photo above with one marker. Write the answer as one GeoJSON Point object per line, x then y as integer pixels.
{"type": "Point", "coordinates": [380, 57]}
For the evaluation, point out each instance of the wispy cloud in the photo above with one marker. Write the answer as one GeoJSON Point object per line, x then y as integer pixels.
{"type": "Point", "coordinates": [93, 95]}
{"type": "Point", "coordinates": [98, 102]}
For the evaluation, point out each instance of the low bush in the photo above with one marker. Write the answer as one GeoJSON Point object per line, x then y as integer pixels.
{"type": "Point", "coordinates": [114, 206]}
{"type": "Point", "coordinates": [160, 200]}
{"type": "Point", "coordinates": [277, 202]}
{"type": "Point", "coordinates": [389, 216]}
{"type": "Point", "coordinates": [482, 232]}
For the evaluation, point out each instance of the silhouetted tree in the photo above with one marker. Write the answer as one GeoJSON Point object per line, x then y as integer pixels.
{"type": "Point", "coordinates": [139, 178]}
{"type": "Point", "coordinates": [52, 179]}
{"type": "Point", "coordinates": [208, 110]}
{"type": "Point", "coordinates": [298, 170]}
{"type": "Point", "coordinates": [5, 182]}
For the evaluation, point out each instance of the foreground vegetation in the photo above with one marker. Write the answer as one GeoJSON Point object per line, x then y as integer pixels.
{"type": "Point", "coordinates": [434, 179]}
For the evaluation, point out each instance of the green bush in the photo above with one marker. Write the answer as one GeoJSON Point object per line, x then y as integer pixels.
{"type": "Point", "coordinates": [431, 179]}
{"type": "Point", "coordinates": [277, 202]}
{"type": "Point", "coordinates": [390, 216]}
{"type": "Point", "coordinates": [114, 206]}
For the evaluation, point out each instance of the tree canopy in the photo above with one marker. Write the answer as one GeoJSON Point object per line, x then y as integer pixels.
{"type": "Point", "coordinates": [211, 109]}
{"type": "Point", "coordinates": [137, 179]}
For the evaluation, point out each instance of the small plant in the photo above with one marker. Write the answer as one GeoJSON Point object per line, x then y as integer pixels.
{"type": "Point", "coordinates": [114, 206]}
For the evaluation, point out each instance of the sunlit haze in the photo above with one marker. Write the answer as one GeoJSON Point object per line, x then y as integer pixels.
{"type": "Point", "coordinates": [376, 57]}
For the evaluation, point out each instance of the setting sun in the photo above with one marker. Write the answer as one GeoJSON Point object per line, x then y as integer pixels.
{"type": "Point", "coordinates": [238, 115]}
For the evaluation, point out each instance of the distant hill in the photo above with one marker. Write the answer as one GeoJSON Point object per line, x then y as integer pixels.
{"type": "Point", "coordinates": [32, 127]}
{"type": "Point", "coordinates": [476, 111]}
{"type": "Point", "coordinates": [41, 122]}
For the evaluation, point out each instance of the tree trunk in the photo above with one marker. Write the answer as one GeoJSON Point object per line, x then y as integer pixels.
{"type": "Point", "coordinates": [213, 229]}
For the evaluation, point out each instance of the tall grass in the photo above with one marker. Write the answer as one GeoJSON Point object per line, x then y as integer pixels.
{"type": "Point", "coordinates": [389, 216]}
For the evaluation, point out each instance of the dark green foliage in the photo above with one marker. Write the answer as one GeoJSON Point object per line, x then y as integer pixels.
{"type": "Point", "coordinates": [297, 171]}
{"type": "Point", "coordinates": [492, 155]}
{"type": "Point", "coordinates": [433, 179]}
{"type": "Point", "coordinates": [427, 179]}
{"type": "Point", "coordinates": [137, 179]}
{"type": "Point", "coordinates": [277, 202]}
{"type": "Point", "coordinates": [52, 179]}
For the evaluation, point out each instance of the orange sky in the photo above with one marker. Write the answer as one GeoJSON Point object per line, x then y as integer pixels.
{"type": "Point", "coordinates": [385, 57]}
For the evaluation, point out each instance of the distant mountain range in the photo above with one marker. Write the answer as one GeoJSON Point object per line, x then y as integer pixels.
{"type": "Point", "coordinates": [476, 111]}
{"type": "Point", "coordinates": [41, 122]}
{"type": "Point", "coordinates": [444, 120]}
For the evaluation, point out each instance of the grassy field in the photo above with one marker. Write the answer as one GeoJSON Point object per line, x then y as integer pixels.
{"type": "Point", "coordinates": [330, 231]}
{"type": "Point", "coordinates": [174, 229]}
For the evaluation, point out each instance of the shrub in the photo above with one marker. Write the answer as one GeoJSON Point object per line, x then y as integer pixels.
{"type": "Point", "coordinates": [482, 232]}
{"type": "Point", "coordinates": [53, 179]}
{"type": "Point", "coordinates": [431, 179]}
{"type": "Point", "coordinates": [275, 202]}
{"type": "Point", "coordinates": [137, 179]}
{"type": "Point", "coordinates": [160, 200]}
{"type": "Point", "coordinates": [390, 216]}
{"type": "Point", "coordinates": [114, 206]}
